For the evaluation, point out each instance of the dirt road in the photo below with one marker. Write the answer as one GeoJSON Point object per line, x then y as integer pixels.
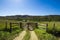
{"type": "Point", "coordinates": [33, 36]}
{"type": "Point", "coordinates": [21, 36]}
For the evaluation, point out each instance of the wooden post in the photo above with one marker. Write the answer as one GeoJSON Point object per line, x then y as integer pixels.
{"type": "Point", "coordinates": [20, 24]}
{"type": "Point", "coordinates": [53, 29]}
{"type": "Point", "coordinates": [36, 25]}
{"type": "Point", "coordinates": [6, 26]}
{"type": "Point", "coordinates": [10, 27]}
{"type": "Point", "coordinates": [53, 26]}
{"type": "Point", "coordinates": [47, 27]}
{"type": "Point", "coordinates": [28, 26]}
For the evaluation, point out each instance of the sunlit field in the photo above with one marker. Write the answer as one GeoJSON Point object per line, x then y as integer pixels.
{"type": "Point", "coordinates": [41, 31]}
{"type": "Point", "coordinates": [43, 35]}
{"type": "Point", "coordinates": [5, 33]}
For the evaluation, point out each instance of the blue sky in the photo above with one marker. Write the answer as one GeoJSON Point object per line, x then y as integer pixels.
{"type": "Point", "coordinates": [29, 7]}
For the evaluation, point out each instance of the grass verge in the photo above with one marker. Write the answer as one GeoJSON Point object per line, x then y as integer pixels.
{"type": "Point", "coordinates": [9, 36]}
{"type": "Point", "coordinates": [27, 36]}
{"type": "Point", "coordinates": [43, 35]}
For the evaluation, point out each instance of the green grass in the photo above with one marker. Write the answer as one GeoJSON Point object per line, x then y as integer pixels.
{"type": "Point", "coordinates": [50, 25]}
{"type": "Point", "coordinates": [43, 35]}
{"type": "Point", "coordinates": [6, 35]}
{"type": "Point", "coordinates": [27, 36]}
{"type": "Point", "coordinates": [9, 36]}
{"type": "Point", "coordinates": [41, 32]}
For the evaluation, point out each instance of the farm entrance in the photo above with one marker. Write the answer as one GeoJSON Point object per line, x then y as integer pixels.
{"type": "Point", "coordinates": [25, 26]}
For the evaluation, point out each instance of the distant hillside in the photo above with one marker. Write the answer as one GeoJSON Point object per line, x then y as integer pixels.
{"type": "Point", "coordinates": [32, 18]}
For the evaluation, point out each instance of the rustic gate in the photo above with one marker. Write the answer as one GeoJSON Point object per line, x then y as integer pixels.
{"type": "Point", "coordinates": [24, 25]}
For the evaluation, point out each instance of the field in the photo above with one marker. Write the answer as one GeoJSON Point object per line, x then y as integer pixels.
{"type": "Point", "coordinates": [5, 34]}
{"type": "Point", "coordinates": [43, 35]}
{"type": "Point", "coordinates": [43, 31]}
{"type": "Point", "coordinates": [51, 25]}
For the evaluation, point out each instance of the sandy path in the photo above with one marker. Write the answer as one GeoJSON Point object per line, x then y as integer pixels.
{"type": "Point", "coordinates": [59, 38]}
{"type": "Point", "coordinates": [33, 36]}
{"type": "Point", "coordinates": [21, 36]}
